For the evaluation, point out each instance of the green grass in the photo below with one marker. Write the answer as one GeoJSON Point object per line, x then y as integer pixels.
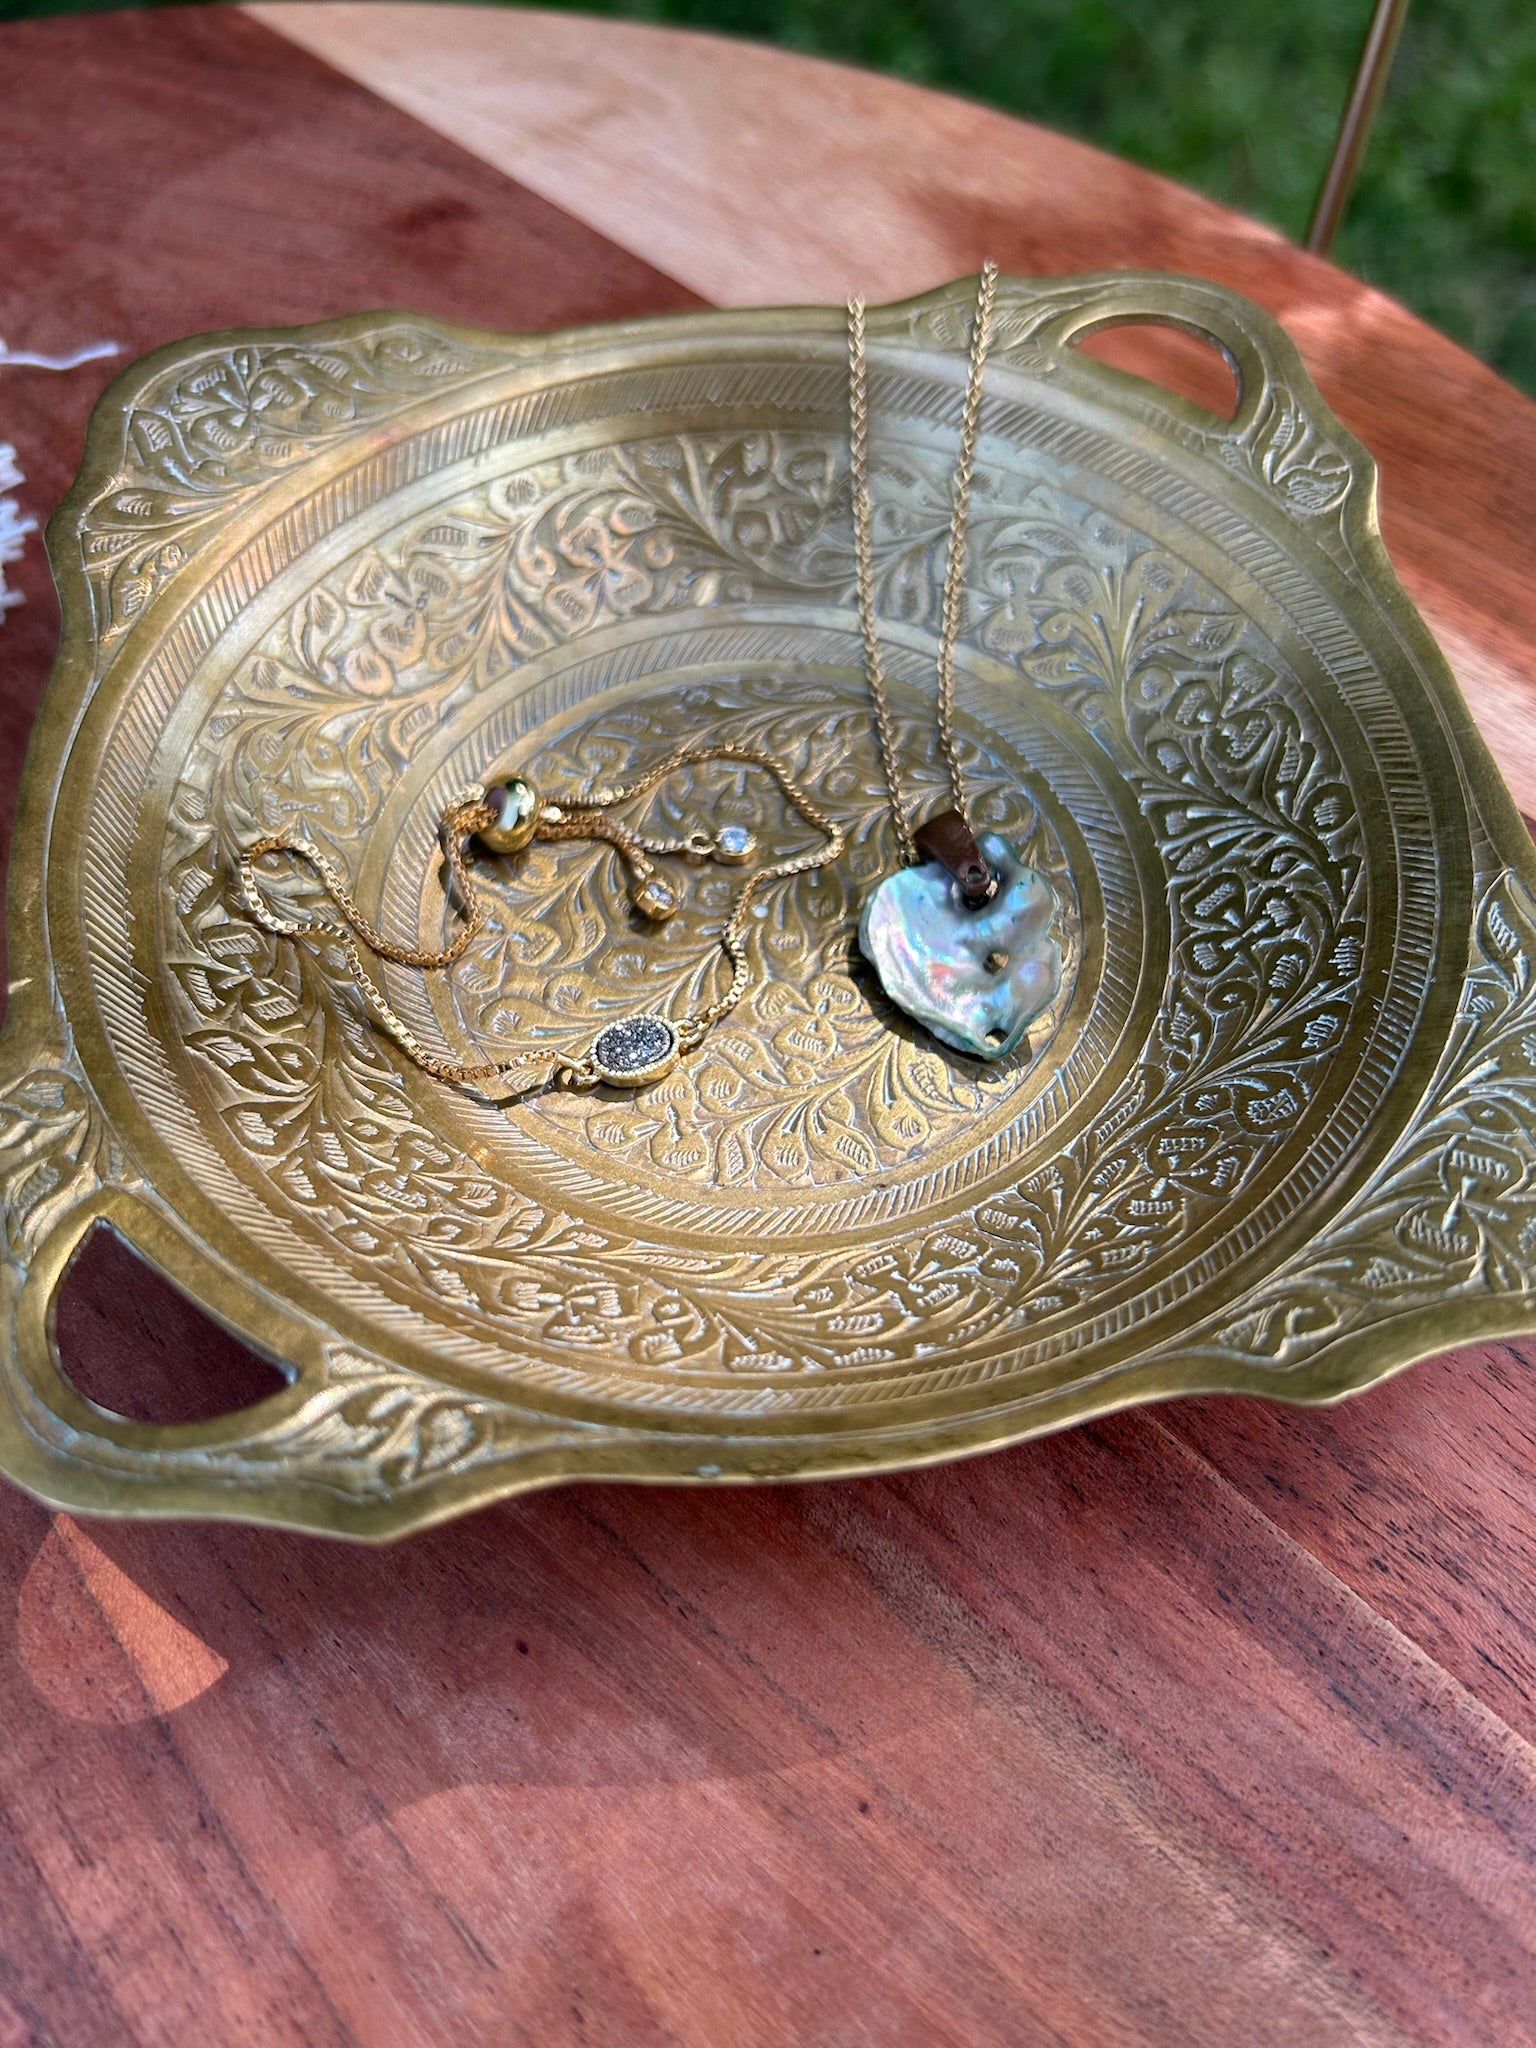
{"type": "Point", "coordinates": [1239, 98]}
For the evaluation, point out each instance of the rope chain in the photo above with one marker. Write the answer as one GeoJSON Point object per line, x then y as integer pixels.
{"type": "Point", "coordinates": [864, 558]}
{"type": "Point", "coordinates": [954, 569]}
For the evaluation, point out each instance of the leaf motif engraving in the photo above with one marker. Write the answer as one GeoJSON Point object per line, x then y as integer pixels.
{"type": "Point", "coordinates": [55, 1151]}
{"type": "Point", "coordinates": [377, 1431]}
{"type": "Point", "coordinates": [224, 426]}
{"type": "Point", "coordinates": [1456, 1202]}
{"type": "Point", "coordinates": [1294, 457]}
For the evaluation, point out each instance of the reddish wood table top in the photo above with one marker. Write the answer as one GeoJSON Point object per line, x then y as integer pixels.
{"type": "Point", "coordinates": [1207, 1725]}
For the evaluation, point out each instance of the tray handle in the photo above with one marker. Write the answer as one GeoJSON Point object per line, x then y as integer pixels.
{"type": "Point", "coordinates": [354, 1445]}
{"type": "Point", "coordinates": [1281, 433]}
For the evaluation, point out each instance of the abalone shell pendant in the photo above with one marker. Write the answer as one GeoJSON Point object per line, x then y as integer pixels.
{"type": "Point", "coordinates": [977, 979]}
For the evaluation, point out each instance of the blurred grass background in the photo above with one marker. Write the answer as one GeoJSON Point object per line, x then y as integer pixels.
{"type": "Point", "coordinates": [1240, 98]}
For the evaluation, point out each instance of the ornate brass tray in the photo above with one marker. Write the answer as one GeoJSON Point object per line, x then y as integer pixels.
{"type": "Point", "coordinates": [1276, 1136]}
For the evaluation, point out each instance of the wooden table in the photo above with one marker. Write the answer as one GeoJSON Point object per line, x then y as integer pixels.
{"type": "Point", "coordinates": [1208, 1725]}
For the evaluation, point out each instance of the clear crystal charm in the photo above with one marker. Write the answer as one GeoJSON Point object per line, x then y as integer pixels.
{"type": "Point", "coordinates": [656, 899]}
{"type": "Point", "coordinates": [734, 844]}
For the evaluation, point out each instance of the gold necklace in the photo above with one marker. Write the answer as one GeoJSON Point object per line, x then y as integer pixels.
{"type": "Point", "coordinates": [961, 935]}
{"type": "Point", "coordinates": [508, 817]}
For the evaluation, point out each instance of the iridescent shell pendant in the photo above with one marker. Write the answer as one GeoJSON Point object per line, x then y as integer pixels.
{"type": "Point", "coordinates": [977, 979]}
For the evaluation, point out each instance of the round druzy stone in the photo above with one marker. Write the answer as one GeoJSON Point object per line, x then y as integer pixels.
{"type": "Point", "coordinates": [638, 1050]}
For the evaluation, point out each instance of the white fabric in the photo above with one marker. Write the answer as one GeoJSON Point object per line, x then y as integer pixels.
{"type": "Point", "coordinates": [13, 527]}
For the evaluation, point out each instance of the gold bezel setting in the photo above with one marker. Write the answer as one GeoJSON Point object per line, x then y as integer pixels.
{"type": "Point", "coordinates": [635, 1051]}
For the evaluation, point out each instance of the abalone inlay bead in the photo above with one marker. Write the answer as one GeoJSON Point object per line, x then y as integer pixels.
{"type": "Point", "coordinates": [977, 979]}
{"type": "Point", "coordinates": [635, 1051]}
{"type": "Point", "coordinates": [516, 804]}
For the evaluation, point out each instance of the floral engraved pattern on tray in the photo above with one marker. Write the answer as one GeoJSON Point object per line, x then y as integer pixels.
{"type": "Point", "coordinates": [223, 426]}
{"type": "Point", "coordinates": [330, 710]}
{"type": "Point", "coordinates": [1454, 1210]}
{"type": "Point", "coordinates": [1250, 807]}
{"type": "Point", "coordinates": [1260, 835]}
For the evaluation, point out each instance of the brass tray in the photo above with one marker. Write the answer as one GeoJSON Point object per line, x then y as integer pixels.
{"type": "Point", "coordinates": [1276, 1136]}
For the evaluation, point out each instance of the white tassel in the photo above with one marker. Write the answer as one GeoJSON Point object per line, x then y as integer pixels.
{"type": "Point", "coordinates": [13, 527]}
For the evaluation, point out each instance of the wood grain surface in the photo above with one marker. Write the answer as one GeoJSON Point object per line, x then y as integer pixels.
{"type": "Point", "coordinates": [1209, 1727]}
{"type": "Point", "coordinates": [757, 177]}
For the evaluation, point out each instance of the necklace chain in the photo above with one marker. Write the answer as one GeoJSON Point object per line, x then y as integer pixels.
{"type": "Point", "coordinates": [954, 571]}
{"type": "Point", "coordinates": [582, 817]}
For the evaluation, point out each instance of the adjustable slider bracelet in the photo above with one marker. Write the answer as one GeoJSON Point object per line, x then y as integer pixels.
{"type": "Point", "coordinates": [506, 818]}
